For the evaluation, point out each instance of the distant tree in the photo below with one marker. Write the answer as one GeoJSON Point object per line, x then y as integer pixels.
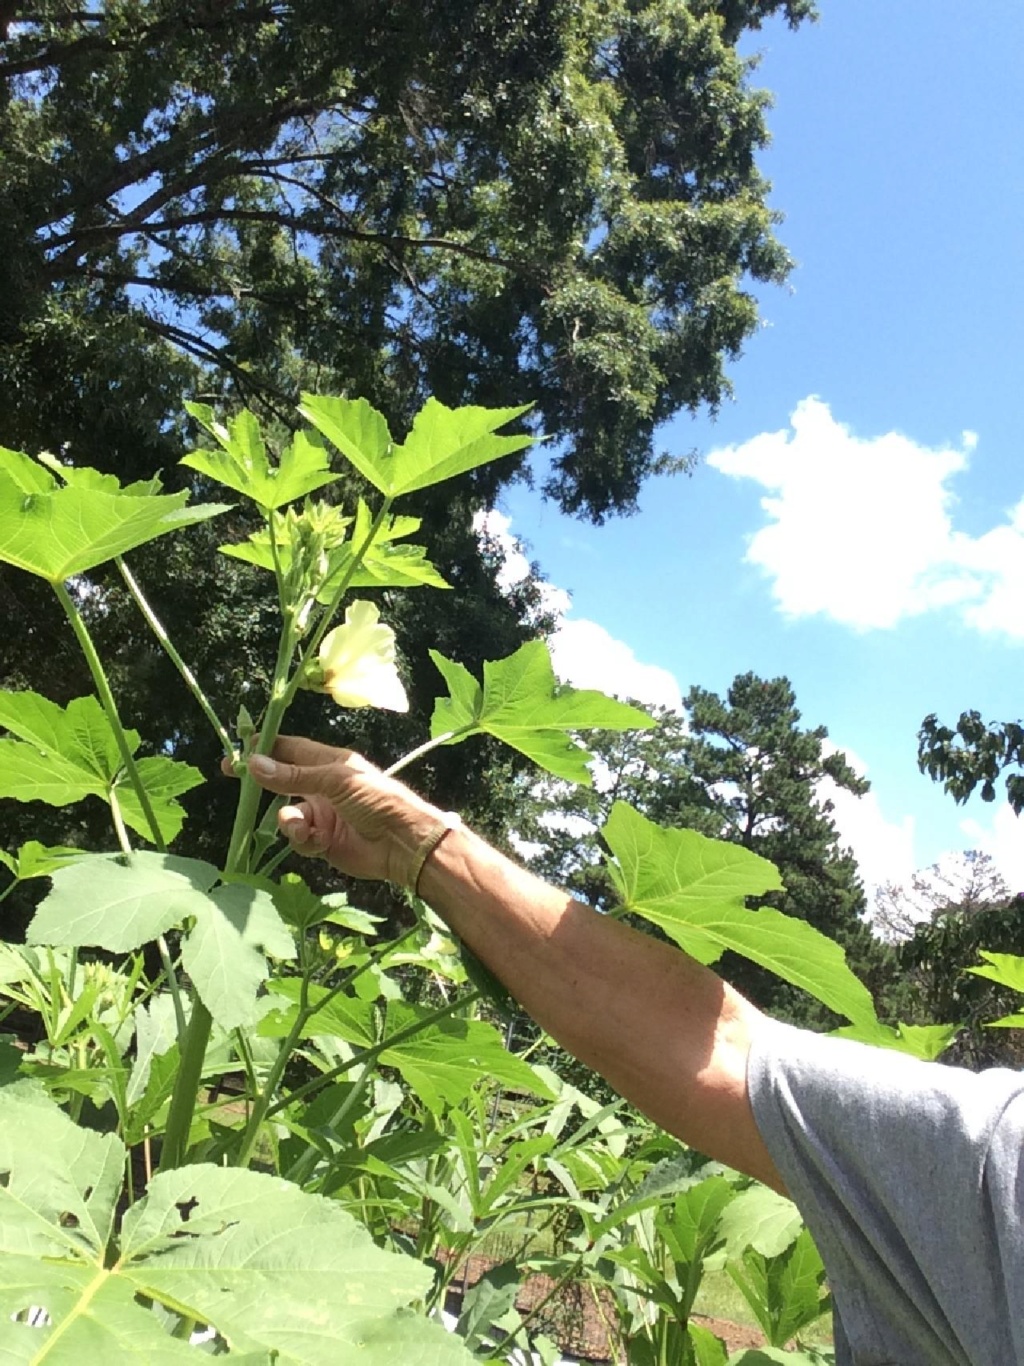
{"type": "Point", "coordinates": [936, 986]}
{"type": "Point", "coordinates": [969, 881]}
{"type": "Point", "coordinates": [739, 768]}
{"type": "Point", "coordinates": [973, 755]}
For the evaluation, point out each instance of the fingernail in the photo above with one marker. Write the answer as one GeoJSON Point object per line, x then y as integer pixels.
{"type": "Point", "coordinates": [262, 767]}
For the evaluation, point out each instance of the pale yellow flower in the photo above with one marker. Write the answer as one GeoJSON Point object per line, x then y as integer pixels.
{"type": "Point", "coordinates": [358, 662]}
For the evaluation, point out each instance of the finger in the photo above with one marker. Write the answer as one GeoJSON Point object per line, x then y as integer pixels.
{"type": "Point", "coordinates": [303, 828]}
{"type": "Point", "coordinates": [296, 749]}
{"type": "Point", "coordinates": [294, 822]}
{"type": "Point", "coordinates": [294, 779]}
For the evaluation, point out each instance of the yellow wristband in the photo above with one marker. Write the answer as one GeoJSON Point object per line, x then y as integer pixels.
{"type": "Point", "coordinates": [450, 820]}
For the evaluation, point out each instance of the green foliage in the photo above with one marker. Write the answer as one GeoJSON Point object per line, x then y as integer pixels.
{"type": "Point", "coordinates": [740, 768]}
{"type": "Point", "coordinates": [973, 755]}
{"type": "Point", "coordinates": [786, 1292]}
{"type": "Point", "coordinates": [695, 889]}
{"type": "Point", "coordinates": [270, 1269]}
{"type": "Point", "coordinates": [99, 903]}
{"type": "Point", "coordinates": [59, 531]}
{"type": "Point", "coordinates": [1007, 969]}
{"type": "Point", "coordinates": [940, 983]}
{"type": "Point", "coordinates": [364, 1073]}
{"type": "Point", "coordinates": [521, 704]}
{"type": "Point", "coordinates": [64, 754]}
{"type": "Point", "coordinates": [242, 463]}
{"type": "Point", "coordinates": [367, 208]}
{"type": "Point", "coordinates": [441, 443]}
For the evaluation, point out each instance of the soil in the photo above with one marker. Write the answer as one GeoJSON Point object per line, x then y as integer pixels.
{"type": "Point", "coordinates": [579, 1319]}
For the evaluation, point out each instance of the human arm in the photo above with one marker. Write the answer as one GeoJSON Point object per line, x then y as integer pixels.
{"type": "Point", "coordinates": [663, 1030]}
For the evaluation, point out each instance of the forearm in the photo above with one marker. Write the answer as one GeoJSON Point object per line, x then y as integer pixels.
{"type": "Point", "coordinates": [663, 1030]}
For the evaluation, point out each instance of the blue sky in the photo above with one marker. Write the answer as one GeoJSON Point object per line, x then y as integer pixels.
{"type": "Point", "coordinates": [879, 413]}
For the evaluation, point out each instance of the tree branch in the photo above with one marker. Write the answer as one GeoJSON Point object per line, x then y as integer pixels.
{"type": "Point", "coordinates": [78, 241]}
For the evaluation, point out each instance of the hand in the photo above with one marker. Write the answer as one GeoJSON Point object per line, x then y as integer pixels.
{"type": "Point", "coordinates": [362, 822]}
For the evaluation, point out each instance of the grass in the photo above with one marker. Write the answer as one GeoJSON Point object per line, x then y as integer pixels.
{"type": "Point", "coordinates": [720, 1298]}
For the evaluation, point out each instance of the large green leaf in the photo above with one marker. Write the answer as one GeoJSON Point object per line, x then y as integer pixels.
{"type": "Point", "coordinates": [441, 1064]}
{"type": "Point", "coordinates": [521, 703]}
{"type": "Point", "coordinates": [242, 464]}
{"type": "Point", "coordinates": [762, 1219]}
{"type": "Point", "coordinates": [224, 953]}
{"type": "Point", "coordinates": [443, 441]}
{"type": "Point", "coordinates": [926, 1042]}
{"type": "Point", "coordinates": [277, 1274]}
{"type": "Point", "coordinates": [56, 532]}
{"type": "Point", "coordinates": [100, 902]}
{"type": "Point", "coordinates": [1007, 969]}
{"type": "Point", "coordinates": [448, 1059]}
{"type": "Point", "coordinates": [694, 888]}
{"type": "Point", "coordinates": [64, 754]}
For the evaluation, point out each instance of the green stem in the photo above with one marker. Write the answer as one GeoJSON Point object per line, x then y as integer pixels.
{"type": "Point", "coordinates": [191, 682]}
{"type": "Point", "coordinates": [283, 689]}
{"type": "Point", "coordinates": [425, 748]}
{"type": "Point", "coordinates": [110, 707]}
{"type": "Point", "coordinates": [302, 1018]}
{"type": "Point", "coordinates": [161, 943]}
{"type": "Point", "coordinates": [372, 1053]}
{"type": "Point", "coordinates": [305, 1164]}
{"type": "Point", "coordinates": [197, 1036]}
{"type": "Point", "coordinates": [559, 1285]}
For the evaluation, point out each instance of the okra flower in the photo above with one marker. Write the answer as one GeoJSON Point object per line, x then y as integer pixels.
{"type": "Point", "coordinates": [357, 662]}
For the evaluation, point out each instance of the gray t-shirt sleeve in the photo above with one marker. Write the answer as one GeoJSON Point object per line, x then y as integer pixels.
{"type": "Point", "coordinates": [910, 1176]}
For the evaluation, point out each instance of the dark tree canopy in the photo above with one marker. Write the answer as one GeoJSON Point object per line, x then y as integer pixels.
{"type": "Point", "coordinates": [935, 985]}
{"type": "Point", "coordinates": [549, 200]}
{"type": "Point", "coordinates": [973, 755]}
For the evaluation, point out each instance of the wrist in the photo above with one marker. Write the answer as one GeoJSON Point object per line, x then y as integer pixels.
{"type": "Point", "coordinates": [441, 826]}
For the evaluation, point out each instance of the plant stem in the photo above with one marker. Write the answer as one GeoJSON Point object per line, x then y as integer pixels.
{"type": "Point", "coordinates": [110, 707]}
{"type": "Point", "coordinates": [161, 942]}
{"type": "Point", "coordinates": [425, 748]}
{"type": "Point", "coordinates": [283, 689]}
{"type": "Point", "coordinates": [191, 682]}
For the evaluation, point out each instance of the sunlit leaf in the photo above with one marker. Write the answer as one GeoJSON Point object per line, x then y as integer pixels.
{"type": "Point", "coordinates": [443, 441]}
{"type": "Point", "coordinates": [695, 888]}
{"type": "Point", "coordinates": [39, 860]}
{"type": "Point", "coordinates": [762, 1219]}
{"type": "Point", "coordinates": [242, 463]}
{"type": "Point", "coordinates": [384, 565]}
{"type": "Point", "coordinates": [926, 1042]}
{"type": "Point", "coordinates": [448, 1059]}
{"type": "Point", "coordinates": [279, 1275]}
{"type": "Point", "coordinates": [521, 703]}
{"type": "Point", "coordinates": [58, 531]}
{"type": "Point", "coordinates": [224, 954]}
{"type": "Point", "coordinates": [102, 903]}
{"type": "Point", "coordinates": [1007, 969]}
{"type": "Point", "coordinates": [64, 754]}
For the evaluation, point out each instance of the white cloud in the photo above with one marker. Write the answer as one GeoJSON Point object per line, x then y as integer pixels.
{"type": "Point", "coordinates": [582, 652]}
{"type": "Point", "coordinates": [860, 529]}
{"type": "Point", "coordinates": [884, 849]}
{"type": "Point", "coordinates": [1004, 840]}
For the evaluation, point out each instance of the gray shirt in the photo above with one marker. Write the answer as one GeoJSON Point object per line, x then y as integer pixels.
{"type": "Point", "coordinates": [910, 1176]}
